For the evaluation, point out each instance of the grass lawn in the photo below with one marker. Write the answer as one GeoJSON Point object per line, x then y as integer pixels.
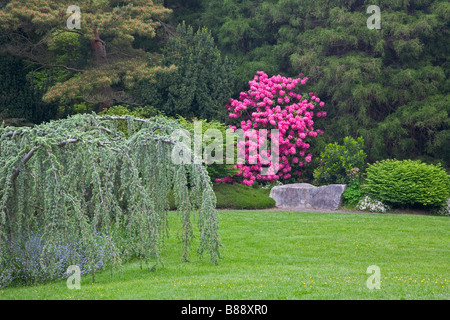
{"type": "Point", "coordinates": [285, 255]}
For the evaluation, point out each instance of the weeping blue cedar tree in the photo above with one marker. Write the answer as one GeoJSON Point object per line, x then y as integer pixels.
{"type": "Point", "coordinates": [81, 177]}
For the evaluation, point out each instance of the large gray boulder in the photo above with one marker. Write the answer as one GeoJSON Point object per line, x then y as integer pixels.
{"type": "Point", "coordinates": [307, 196]}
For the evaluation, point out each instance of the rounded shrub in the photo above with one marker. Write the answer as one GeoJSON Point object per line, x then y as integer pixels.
{"type": "Point", "coordinates": [408, 183]}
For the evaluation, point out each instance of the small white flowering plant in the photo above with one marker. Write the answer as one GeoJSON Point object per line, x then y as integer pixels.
{"type": "Point", "coordinates": [444, 210]}
{"type": "Point", "coordinates": [373, 205]}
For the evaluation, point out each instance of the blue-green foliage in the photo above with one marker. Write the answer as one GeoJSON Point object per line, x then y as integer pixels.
{"type": "Point", "coordinates": [81, 177]}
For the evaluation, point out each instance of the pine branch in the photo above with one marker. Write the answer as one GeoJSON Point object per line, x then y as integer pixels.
{"type": "Point", "coordinates": [58, 66]}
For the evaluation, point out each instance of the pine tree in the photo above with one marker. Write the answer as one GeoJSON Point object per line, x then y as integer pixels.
{"type": "Point", "coordinates": [202, 82]}
{"type": "Point", "coordinates": [101, 63]}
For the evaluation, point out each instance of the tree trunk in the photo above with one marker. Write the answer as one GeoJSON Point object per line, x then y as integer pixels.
{"type": "Point", "coordinates": [99, 48]}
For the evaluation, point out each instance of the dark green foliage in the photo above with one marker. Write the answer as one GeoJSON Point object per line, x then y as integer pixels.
{"type": "Point", "coordinates": [21, 101]}
{"type": "Point", "coordinates": [339, 162]}
{"type": "Point", "coordinates": [420, 129]}
{"type": "Point", "coordinates": [408, 183]}
{"type": "Point", "coordinates": [15, 94]}
{"type": "Point", "coordinates": [239, 196]}
{"type": "Point", "coordinates": [202, 82]}
{"type": "Point", "coordinates": [185, 10]}
{"type": "Point", "coordinates": [215, 170]}
{"type": "Point", "coordinates": [390, 86]}
{"type": "Point", "coordinates": [137, 112]}
{"type": "Point", "coordinates": [353, 194]}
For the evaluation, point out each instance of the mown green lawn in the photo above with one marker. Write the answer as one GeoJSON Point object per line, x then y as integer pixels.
{"type": "Point", "coordinates": [286, 255]}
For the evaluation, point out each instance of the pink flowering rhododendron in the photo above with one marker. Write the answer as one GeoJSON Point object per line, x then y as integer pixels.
{"type": "Point", "coordinates": [274, 103]}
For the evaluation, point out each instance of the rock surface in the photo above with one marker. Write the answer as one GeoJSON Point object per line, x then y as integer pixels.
{"type": "Point", "coordinates": [307, 196]}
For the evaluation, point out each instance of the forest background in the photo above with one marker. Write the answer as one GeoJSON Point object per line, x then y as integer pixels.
{"type": "Point", "coordinates": [189, 57]}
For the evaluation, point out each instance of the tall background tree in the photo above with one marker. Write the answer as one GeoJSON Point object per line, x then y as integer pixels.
{"type": "Point", "coordinates": [203, 80]}
{"type": "Point", "coordinates": [390, 86]}
{"type": "Point", "coordinates": [97, 63]}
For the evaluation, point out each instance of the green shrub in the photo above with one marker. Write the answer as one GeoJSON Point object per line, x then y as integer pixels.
{"type": "Point", "coordinates": [353, 194]}
{"type": "Point", "coordinates": [236, 196]}
{"type": "Point", "coordinates": [137, 112]}
{"type": "Point", "coordinates": [339, 162]}
{"type": "Point", "coordinates": [239, 196]}
{"type": "Point", "coordinates": [408, 183]}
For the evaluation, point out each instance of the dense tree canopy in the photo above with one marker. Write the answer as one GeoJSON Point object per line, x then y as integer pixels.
{"type": "Point", "coordinates": [95, 63]}
{"type": "Point", "coordinates": [202, 82]}
{"type": "Point", "coordinates": [390, 86]}
{"type": "Point", "coordinates": [370, 78]}
{"type": "Point", "coordinates": [21, 100]}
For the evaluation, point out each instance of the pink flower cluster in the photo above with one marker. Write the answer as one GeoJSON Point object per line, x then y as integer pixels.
{"type": "Point", "coordinates": [274, 103]}
{"type": "Point", "coordinates": [353, 174]}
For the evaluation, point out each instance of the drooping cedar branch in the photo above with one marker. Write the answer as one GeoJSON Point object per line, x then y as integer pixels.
{"type": "Point", "coordinates": [21, 164]}
{"type": "Point", "coordinates": [28, 156]}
